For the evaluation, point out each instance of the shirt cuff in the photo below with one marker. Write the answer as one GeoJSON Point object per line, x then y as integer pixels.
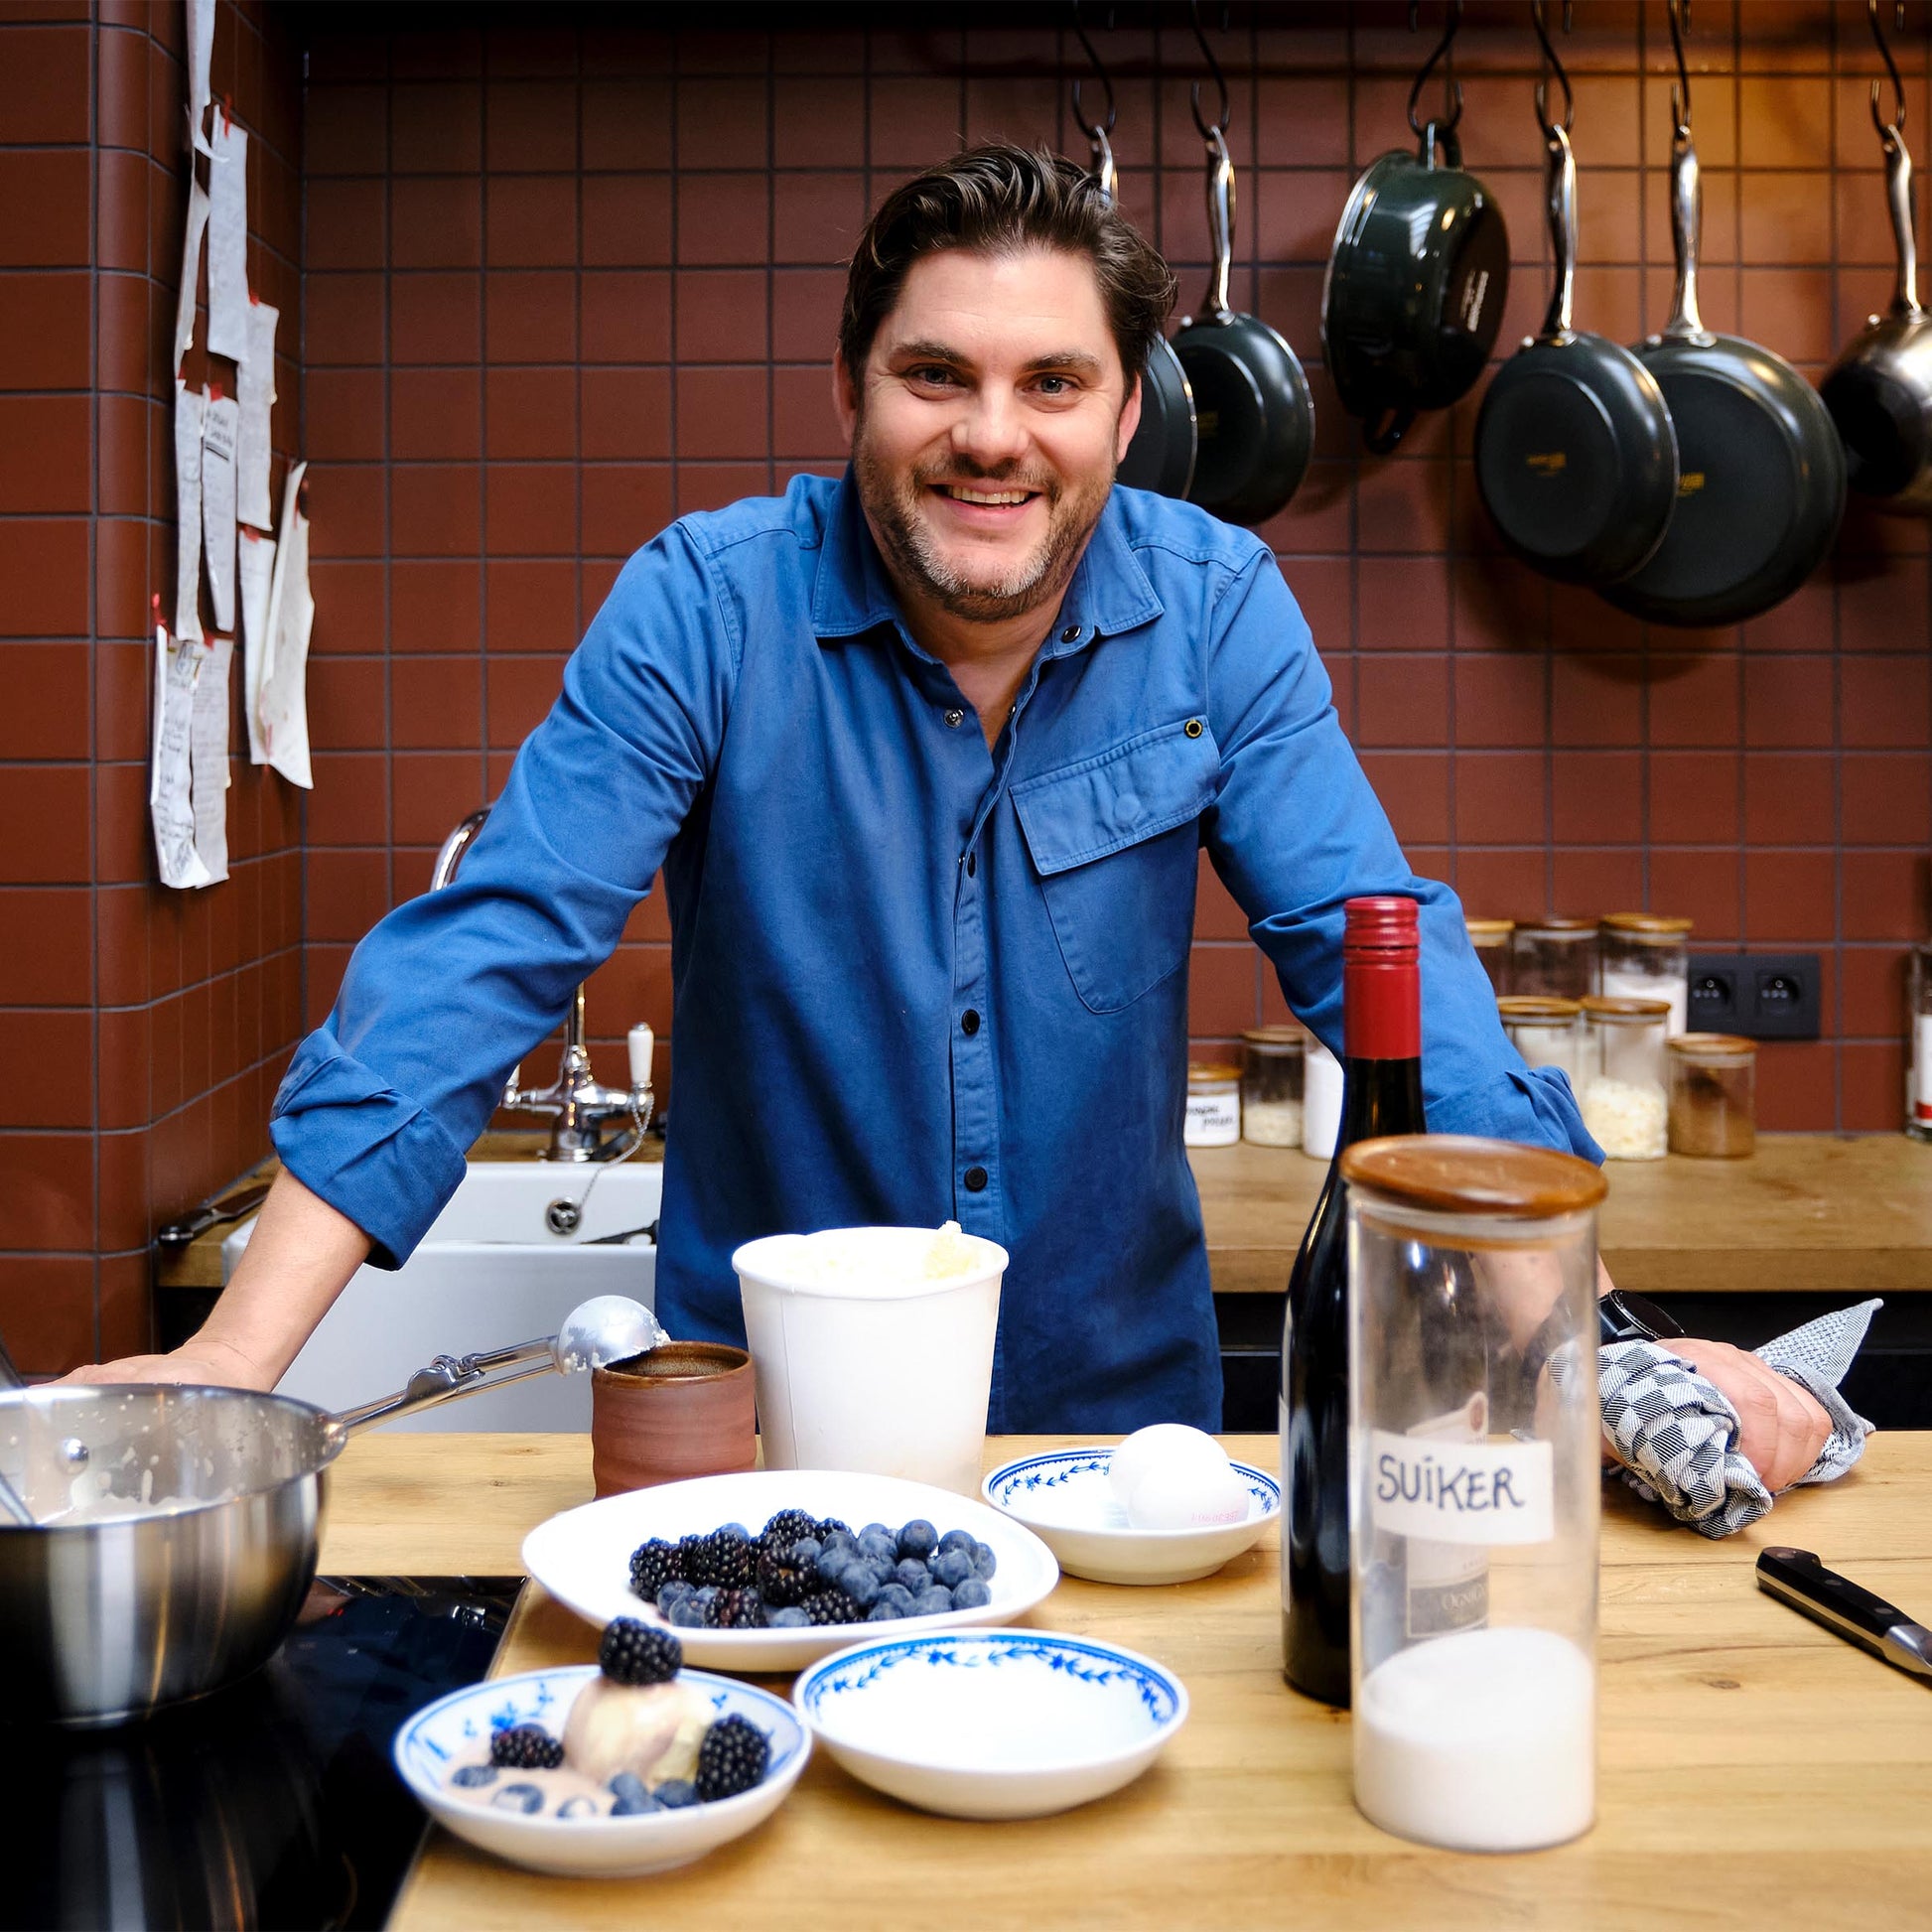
{"type": "Point", "coordinates": [371, 1152]}
{"type": "Point", "coordinates": [1536, 1106]}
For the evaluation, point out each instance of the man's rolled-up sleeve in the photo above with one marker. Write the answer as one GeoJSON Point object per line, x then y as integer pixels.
{"type": "Point", "coordinates": [1296, 831]}
{"type": "Point", "coordinates": [451, 990]}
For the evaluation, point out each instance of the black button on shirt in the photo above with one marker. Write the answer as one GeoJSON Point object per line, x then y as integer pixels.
{"type": "Point", "coordinates": [975, 1179]}
{"type": "Point", "coordinates": [969, 1023]}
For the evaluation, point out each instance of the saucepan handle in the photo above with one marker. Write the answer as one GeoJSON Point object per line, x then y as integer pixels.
{"type": "Point", "coordinates": [1384, 430]}
{"type": "Point", "coordinates": [1899, 193]}
{"type": "Point", "coordinates": [1220, 220]}
{"type": "Point", "coordinates": [1562, 232]}
{"type": "Point", "coordinates": [447, 1379]}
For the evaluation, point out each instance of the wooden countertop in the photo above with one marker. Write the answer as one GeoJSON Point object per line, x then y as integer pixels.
{"type": "Point", "coordinates": [1756, 1771]}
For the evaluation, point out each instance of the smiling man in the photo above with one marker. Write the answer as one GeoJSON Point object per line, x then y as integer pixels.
{"type": "Point", "coordinates": [926, 755]}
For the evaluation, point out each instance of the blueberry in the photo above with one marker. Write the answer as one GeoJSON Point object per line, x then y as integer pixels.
{"type": "Point", "coordinates": [675, 1593]}
{"type": "Point", "coordinates": [912, 1574]}
{"type": "Point", "coordinates": [881, 1612]}
{"type": "Point", "coordinates": [860, 1584]}
{"type": "Point", "coordinates": [873, 1529]}
{"type": "Point", "coordinates": [878, 1543]}
{"type": "Point", "coordinates": [518, 1797]}
{"type": "Point", "coordinates": [734, 1529]}
{"type": "Point", "coordinates": [807, 1550]}
{"type": "Point", "coordinates": [791, 1617]}
{"type": "Point", "coordinates": [951, 1568]}
{"type": "Point", "coordinates": [687, 1613]}
{"type": "Point", "coordinates": [578, 1807]}
{"type": "Point", "coordinates": [934, 1602]}
{"type": "Point", "coordinates": [983, 1561]}
{"type": "Point", "coordinates": [470, 1775]}
{"type": "Point", "coordinates": [917, 1538]}
{"type": "Point", "coordinates": [677, 1793]}
{"type": "Point", "coordinates": [627, 1789]}
{"type": "Point", "coordinates": [898, 1598]}
{"type": "Point", "coordinates": [957, 1540]}
{"type": "Point", "coordinates": [832, 1562]}
{"type": "Point", "coordinates": [972, 1594]}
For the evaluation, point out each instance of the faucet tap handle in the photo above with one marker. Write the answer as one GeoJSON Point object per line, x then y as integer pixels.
{"type": "Point", "coordinates": [642, 1043]}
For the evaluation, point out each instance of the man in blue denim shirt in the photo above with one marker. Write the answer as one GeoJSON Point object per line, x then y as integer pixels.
{"type": "Point", "coordinates": [926, 755]}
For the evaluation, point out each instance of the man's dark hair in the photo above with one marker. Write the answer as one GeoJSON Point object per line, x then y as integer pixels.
{"type": "Point", "coordinates": [997, 200]}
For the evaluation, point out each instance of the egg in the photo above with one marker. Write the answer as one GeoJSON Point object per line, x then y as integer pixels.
{"type": "Point", "coordinates": [1192, 1498]}
{"type": "Point", "coordinates": [1164, 1446]}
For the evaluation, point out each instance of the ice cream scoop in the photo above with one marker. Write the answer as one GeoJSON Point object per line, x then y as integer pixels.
{"type": "Point", "coordinates": [651, 1730]}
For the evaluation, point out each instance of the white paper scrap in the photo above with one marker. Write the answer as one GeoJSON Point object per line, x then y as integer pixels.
{"type": "Point", "coordinates": [208, 756]}
{"type": "Point", "coordinates": [169, 809]}
{"type": "Point", "coordinates": [255, 393]}
{"type": "Point", "coordinates": [257, 561]}
{"type": "Point", "coordinates": [201, 54]}
{"type": "Point", "coordinates": [228, 241]}
{"type": "Point", "coordinates": [284, 701]}
{"type": "Point", "coordinates": [188, 512]}
{"type": "Point", "coordinates": [219, 420]}
{"type": "Point", "coordinates": [191, 270]}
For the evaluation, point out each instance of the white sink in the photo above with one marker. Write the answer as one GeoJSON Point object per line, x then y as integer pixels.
{"type": "Point", "coordinates": [489, 1273]}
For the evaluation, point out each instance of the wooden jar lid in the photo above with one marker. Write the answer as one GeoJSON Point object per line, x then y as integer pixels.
{"type": "Point", "coordinates": [1460, 1173]}
{"type": "Point", "coordinates": [1538, 1005]}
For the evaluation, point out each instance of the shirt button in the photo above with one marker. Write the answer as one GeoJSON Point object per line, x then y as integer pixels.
{"type": "Point", "coordinates": [1192, 727]}
{"type": "Point", "coordinates": [975, 1179]}
{"type": "Point", "coordinates": [969, 1023]}
{"type": "Point", "coordinates": [954, 716]}
{"type": "Point", "coordinates": [1071, 634]}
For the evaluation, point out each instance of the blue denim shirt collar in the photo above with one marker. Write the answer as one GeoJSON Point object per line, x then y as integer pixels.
{"type": "Point", "coordinates": [1109, 595]}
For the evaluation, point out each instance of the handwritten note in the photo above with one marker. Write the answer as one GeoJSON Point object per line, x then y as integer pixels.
{"type": "Point", "coordinates": [284, 701]}
{"type": "Point", "coordinates": [191, 270]}
{"type": "Point", "coordinates": [169, 811]}
{"type": "Point", "coordinates": [208, 756]}
{"type": "Point", "coordinates": [201, 54]}
{"type": "Point", "coordinates": [255, 394]}
{"type": "Point", "coordinates": [219, 420]}
{"type": "Point", "coordinates": [257, 560]}
{"type": "Point", "coordinates": [228, 241]}
{"type": "Point", "coordinates": [188, 512]}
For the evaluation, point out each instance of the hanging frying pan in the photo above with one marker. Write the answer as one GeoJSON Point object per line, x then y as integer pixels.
{"type": "Point", "coordinates": [1879, 391]}
{"type": "Point", "coordinates": [1761, 473]}
{"type": "Point", "coordinates": [1575, 458]}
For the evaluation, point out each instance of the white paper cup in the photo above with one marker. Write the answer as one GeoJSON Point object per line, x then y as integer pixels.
{"type": "Point", "coordinates": [880, 1370]}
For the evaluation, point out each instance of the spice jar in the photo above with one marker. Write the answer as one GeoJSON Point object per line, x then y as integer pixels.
{"type": "Point", "coordinates": [1213, 1117]}
{"type": "Point", "coordinates": [1271, 1087]}
{"type": "Point", "coordinates": [1473, 1489]}
{"type": "Point", "coordinates": [1553, 955]}
{"type": "Point", "coordinates": [1547, 1032]}
{"type": "Point", "coordinates": [1712, 1095]}
{"type": "Point", "coordinates": [1644, 956]}
{"type": "Point", "coordinates": [1491, 939]}
{"type": "Point", "coordinates": [1622, 1097]}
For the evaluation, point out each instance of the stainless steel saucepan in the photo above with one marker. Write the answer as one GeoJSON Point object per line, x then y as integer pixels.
{"type": "Point", "coordinates": [174, 1529]}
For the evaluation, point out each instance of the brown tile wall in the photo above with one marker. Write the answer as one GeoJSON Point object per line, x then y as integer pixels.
{"type": "Point", "coordinates": [141, 1029]}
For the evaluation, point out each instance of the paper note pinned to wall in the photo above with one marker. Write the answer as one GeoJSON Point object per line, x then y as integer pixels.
{"type": "Point", "coordinates": [200, 55]}
{"type": "Point", "coordinates": [208, 756]}
{"type": "Point", "coordinates": [191, 270]}
{"type": "Point", "coordinates": [220, 418]}
{"type": "Point", "coordinates": [188, 513]}
{"type": "Point", "coordinates": [255, 385]}
{"type": "Point", "coordinates": [257, 570]}
{"type": "Point", "coordinates": [228, 241]}
{"type": "Point", "coordinates": [170, 810]}
{"type": "Point", "coordinates": [284, 700]}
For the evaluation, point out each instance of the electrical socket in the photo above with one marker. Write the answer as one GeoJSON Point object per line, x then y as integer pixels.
{"type": "Point", "coordinates": [1763, 996]}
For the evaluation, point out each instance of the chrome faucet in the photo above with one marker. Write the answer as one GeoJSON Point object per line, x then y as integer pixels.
{"type": "Point", "coordinates": [578, 1108]}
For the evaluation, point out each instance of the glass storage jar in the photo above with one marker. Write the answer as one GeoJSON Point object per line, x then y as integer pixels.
{"type": "Point", "coordinates": [1474, 1490]}
{"type": "Point", "coordinates": [1918, 1071]}
{"type": "Point", "coordinates": [1712, 1095]}
{"type": "Point", "coordinates": [1271, 1087]}
{"type": "Point", "coordinates": [1547, 1032]}
{"type": "Point", "coordinates": [1490, 939]}
{"type": "Point", "coordinates": [1623, 1098]}
{"type": "Point", "coordinates": [1213, 1117]}
{"type": "Point", "coordinates": [1646, 956]}
{"type": "Point", "coordinates": [1553, 955]}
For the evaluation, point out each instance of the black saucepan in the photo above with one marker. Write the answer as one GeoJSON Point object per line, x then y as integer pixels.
{"type": "Point", "coordinates": [1254, 417]}
{"type": "Point", "coordinates": [1575, 458]}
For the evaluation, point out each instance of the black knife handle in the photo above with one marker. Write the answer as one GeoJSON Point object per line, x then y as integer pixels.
{"type": "Point", "coordinates": [1800, 1579]}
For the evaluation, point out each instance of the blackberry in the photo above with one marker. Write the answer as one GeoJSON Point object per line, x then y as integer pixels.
{"type": "Point", "coordinates": [526, 1747]}
{"type": "Point", "coordinates": [787, 1576]}
{"type": "Point", "coordinates": [831, 1606]}
{"type": "Point", "coordinates": [694, 1559]}
{"type": "Point", "coordinates": [731, 1759]}
{"type": "Point", "coordinates": [786, 1527]}
{"type": "Point", "coordinates": [828, 1527]}
{"type": "Point", "coordinates": [739, 1609]}
{"type": "Point", "coordinates": [652, 1566]}
{"type": "Point", "coordinates": [636, 1652]}
{"type": "Point", "coordinates": [732, 1558]}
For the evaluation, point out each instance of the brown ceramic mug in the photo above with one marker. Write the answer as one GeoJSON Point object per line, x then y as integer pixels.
{"type": "Point", "coordinates": [684, 1410]}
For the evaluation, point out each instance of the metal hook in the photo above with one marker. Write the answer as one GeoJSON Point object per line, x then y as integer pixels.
{"type": "Point", "coordinates": [1445, 53]}
{"type": "Point", "coordinates": [1093, 130]}
{"type": "Point", "coordinates": [1892, 129]}
{"type": "Point", "coordinates": [1680, 88]}
{"type": "Point", "coordinates": [1551, 65]}
{"type": "Point", "coordinates": [1208, 131]}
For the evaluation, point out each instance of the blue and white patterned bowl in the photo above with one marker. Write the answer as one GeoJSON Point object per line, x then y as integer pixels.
{"type": "Point", "coordinates": [1066, 1499]}
{"type": "Point", "coordinates": [992, 1724]}
{"type": "Point", "coordinates": [585, 1847]}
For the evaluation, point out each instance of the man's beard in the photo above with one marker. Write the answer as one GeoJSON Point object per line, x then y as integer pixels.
{"type": "Point", "coordinates": [894, 507]}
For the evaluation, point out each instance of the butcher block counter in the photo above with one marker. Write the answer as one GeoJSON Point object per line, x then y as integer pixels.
{"type": "Point", "coordinates": [1756, 1771]}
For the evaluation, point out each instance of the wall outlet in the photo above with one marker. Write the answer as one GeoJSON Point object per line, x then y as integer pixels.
{"type": "Point", "coordinates": [1763, 996]}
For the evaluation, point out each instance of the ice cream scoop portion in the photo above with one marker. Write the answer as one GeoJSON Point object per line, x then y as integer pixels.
{"type": "Point", "coordinates": [651, 1730]}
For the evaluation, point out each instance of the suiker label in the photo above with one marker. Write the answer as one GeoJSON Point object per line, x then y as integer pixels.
{"type": "Point", "coordinates": [1461, 1492]}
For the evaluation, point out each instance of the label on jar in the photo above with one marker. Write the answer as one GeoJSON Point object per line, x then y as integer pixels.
{"type": "Point", "coordinates": [1213, 1118]}
{"type": "Point", "coordinates": [1446, 1585]}
{"type": "Point", "coordinates": [1922, 1067]}
{"type": "Point", "coordinates": [1462, 1492]}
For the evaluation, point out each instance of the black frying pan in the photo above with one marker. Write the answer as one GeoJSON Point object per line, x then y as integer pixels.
{"type": "Point", "coordinates": [1761, 472]}
{"type": "Point", "coordinates": [1254, 417]}
{"type": "Point", "coordinates": [1575, 458]}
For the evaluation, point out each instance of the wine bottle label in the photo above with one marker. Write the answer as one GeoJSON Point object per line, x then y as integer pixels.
{"type": "Point", "coordinates": [1461, 1492]}
{"type": "Point", "coordinates": [1446, 1585]}
{"type": "Point", "coordinates": [1922, 1067]}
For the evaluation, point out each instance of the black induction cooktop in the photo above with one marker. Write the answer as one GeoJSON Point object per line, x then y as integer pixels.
{"type": "Point", "coordinates": [273, 1804]}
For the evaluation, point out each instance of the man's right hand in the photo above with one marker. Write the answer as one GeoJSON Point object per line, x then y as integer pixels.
{"type": "Point", "coordinates": [204, 1363]}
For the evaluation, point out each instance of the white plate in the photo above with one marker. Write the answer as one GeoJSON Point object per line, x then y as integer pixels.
{"type": "Point", "coordinates": [1066, 1499]}
{"type": "Point", "coordinates": [583, 1557]}
{"type": "Point", "coordinates": [584, 1847]}
{"type": "Point", "coordinates": [992, 1724]}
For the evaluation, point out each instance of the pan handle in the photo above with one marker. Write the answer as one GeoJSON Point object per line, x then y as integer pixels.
{"type": "Point", "coordinates": [446, 1379]}
{"type": "Point", "coordinates": [1562, 185]}
{"type": "Point", "coordinates": [1384, 430]}
{"type": "Point", "coordinates": [1220, 222]}
{"type": "Point", "coordinates": [1899, 193]}
{"type": "Point", "coordinates": [1686, 324]}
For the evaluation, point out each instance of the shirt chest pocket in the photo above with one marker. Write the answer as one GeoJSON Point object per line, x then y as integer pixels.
{"type": "Point", "coordinates": [1114, 842]}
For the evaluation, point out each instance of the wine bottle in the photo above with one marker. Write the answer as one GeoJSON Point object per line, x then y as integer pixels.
{"type": "Point", "coordinates": [1381, 1095]}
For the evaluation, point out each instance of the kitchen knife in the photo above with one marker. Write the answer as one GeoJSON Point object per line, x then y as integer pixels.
{"type": "Point", "coordinates": [1844, 1608]}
